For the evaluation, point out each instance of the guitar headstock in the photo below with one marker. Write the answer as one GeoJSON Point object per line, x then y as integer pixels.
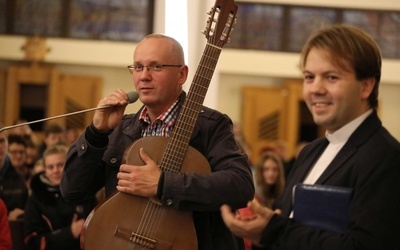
{"type": "Point", "coordinates": [219, 24]}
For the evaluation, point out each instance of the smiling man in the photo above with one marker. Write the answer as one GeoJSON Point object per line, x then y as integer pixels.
{"type": "Point", "coordinates": [342, 68]}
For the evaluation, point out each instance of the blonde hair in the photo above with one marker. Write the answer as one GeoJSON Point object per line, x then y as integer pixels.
{"type": "Point", "coordinates": [56, 149]}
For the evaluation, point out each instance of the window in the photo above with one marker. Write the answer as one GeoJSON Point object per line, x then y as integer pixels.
{"type": "Point", "coordinates": [286, 27]}
{"type": "Point", "coordinates": [118, 20]}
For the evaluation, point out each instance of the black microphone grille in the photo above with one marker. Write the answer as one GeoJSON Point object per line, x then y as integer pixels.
{"type": "Point", "coordinates": [132, 96]}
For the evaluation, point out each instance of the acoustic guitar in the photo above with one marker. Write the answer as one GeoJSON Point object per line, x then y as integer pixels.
{"type": "Point", "coordinates": [125, 221]}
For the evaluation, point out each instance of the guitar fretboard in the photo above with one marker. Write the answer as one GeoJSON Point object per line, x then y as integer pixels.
{"type": "Point", "coordinates": [180, 137]}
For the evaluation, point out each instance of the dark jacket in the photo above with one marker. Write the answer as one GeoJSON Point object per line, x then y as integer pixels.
{"type": "Point", "coordinates": [369, 163]}
{"type": "Point", "coordinates": [13, 189]}
{"type": "Point", "coordinates": [230, 183]}
{"type": "Point", "coordinates": [48, 217]}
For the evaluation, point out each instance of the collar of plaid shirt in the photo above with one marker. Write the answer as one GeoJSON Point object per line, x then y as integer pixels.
{"type": "Point", "coordinates": [162, 125]}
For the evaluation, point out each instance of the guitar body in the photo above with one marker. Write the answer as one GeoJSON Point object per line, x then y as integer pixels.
{"type": "Point", "coordinates": [124, 221]}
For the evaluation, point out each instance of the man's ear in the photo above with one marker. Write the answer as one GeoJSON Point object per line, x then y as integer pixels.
{"type": "Point", "coordinates": [183, 74]}
{"type": "Point", "coordinates": [367, 87]}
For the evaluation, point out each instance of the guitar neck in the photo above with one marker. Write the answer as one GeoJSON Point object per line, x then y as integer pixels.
{"type": "Point", "coordinates": [218, 29]}
{"type": "Point", "coordinates": [179, 142]}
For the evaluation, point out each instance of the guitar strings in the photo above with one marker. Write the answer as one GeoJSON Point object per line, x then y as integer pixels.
{"type": "Point", "coordinates": [153, 213]}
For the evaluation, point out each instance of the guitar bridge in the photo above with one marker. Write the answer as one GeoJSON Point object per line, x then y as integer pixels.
{"type": "Point", "coordinates": [135, 237]}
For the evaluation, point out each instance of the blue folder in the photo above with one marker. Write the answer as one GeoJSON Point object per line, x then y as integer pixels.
{"type": "Point", "coordinates": [321, 206]}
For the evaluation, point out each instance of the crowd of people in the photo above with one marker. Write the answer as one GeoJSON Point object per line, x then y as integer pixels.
{"type": "Point", "coordinates": [235, 205]}
{"type": "Point", "coordinates": [30, 174]}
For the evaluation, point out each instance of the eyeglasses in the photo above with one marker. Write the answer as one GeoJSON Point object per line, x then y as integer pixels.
{"type": "Point", "coordinates": [156, 67]}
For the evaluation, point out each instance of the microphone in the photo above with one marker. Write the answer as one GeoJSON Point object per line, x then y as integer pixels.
{"type": "Point", "coordinates": [132, 97]}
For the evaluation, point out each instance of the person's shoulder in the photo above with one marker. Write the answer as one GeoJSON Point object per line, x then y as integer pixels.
{"type": "Point", "coordinates": [129, 116]}
{"type": "Point", "coordinates": [373, 132]}
{"type": "Point", "coordinates": [11, 172]}
{"type": "Point", "coordinates": [389, 139]}
{"type": "Point", "coordinates": [36, 181]}
{"type": "Point", "coordinates": [212, 114]}
{"type": "Point", "coordinates": [39, 187]}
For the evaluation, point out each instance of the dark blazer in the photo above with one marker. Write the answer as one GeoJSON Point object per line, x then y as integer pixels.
{"type": "Point", "coordinates": [92, 164]}
{"type": "Point", "coordinates": [369, 163]}
{"type": "Point", "coordinates": [13, 189]}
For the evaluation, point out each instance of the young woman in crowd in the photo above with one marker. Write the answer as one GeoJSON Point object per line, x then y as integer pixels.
{"type": "Point", "coordinates": [50, 221]}
{"type": "Point", "coordinates": [269, 178]}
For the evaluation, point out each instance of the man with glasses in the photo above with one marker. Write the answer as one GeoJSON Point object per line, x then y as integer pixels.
{"type": "Point", "coordinates": [13, 190]}
{"type": "Point", "coordinates": [94, 161]}
{"type": "Point", "coordinates": [17, 149]}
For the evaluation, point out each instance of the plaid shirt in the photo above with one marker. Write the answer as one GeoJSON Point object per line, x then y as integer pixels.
{"type": "Point", "coordinates": [163, 125]}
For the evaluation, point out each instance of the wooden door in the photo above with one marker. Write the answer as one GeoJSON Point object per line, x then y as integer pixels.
{"type": "Point", "coordinates": [270, 115]}
{"type": "Point", "coordinates": [34, 92]}
{"type": "Point", "coordinates": [79, 93]}
{"type": "Point", "coordinates": [28, 90]}
{"type": "Point", "coordinates": [2, 97]}
{"type": "Point", "coordinates": [263, 117]}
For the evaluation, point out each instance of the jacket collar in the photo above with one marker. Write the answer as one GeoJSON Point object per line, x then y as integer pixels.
{"type": "Point", "coordinates": [358, 138]}
{"type": "Point", "coordinates": [133, 129]}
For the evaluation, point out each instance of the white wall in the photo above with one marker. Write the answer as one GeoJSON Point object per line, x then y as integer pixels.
{"type": "Point", "coordinates": [235, 67]}
{"type": "Point", "coordinates": [389, 108]}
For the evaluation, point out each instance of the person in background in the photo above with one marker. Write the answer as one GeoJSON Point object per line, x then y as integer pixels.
{"type": "Point", "coordinates": [71, 134]}
{"type": "Point", "coordinates": [270, 182]}
{"type": "Point", "coordinates": [54, 133]}
{"type": "Point", "coordinates": [17, 148]}
{"type": "Point", "coordinates": [50, 222]}
{"type": "Point", "coordinates": [270, 177]}
{"type": "Point", "coordinates": [95, 159]}
{"type": "Point", "coordinates": [13, 189]}
{"type": "Point", "coordinates": [5, 234]}
{"type": "Point", "coordinates": [281, 148]}
{"type": "Point", "coordinates": [341, 65]}
{"type": "Point", "coordinates": [240, 140]}
{"type": "Point", "coordinates": [32, 154]}
{"type": "Point", "coordinates": [38, 167]}
{"type": "Point", "coordinates": [24, 131]}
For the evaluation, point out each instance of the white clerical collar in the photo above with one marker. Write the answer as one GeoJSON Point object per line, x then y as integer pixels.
{"type": "Point", "coordinates": [342, 135]}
